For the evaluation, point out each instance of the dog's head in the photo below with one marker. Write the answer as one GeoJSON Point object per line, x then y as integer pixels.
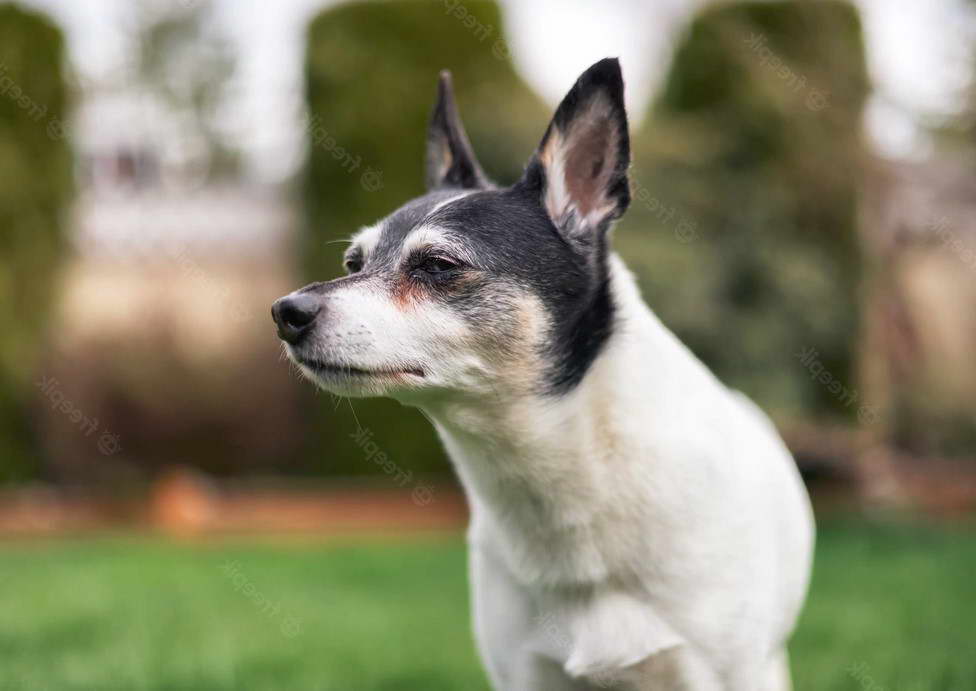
{"type": "Point", "coordinates": [475, 289]}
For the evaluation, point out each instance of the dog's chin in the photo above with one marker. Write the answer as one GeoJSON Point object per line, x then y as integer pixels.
{"type": "Point", "coordinates": [360, 381]}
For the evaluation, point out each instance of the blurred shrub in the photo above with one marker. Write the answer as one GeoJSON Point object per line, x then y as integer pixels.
{"type": "Point", "coordinates": [151, 397]}
{"type": "Point", "coordinates": [371, 74]}
{"type": "Point", "coordinates": [743, 226]}
{"type": "Point", "coordinates": [35, 185]}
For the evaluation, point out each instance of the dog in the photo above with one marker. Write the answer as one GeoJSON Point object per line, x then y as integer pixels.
{"type": "Point", "coordinates": [634, 523]}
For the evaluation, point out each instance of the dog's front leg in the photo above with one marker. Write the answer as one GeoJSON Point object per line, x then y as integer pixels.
{"type": "Point", "coordinates": [675, 669]}
{"type": "Point", "coordinates": [502, 622]}
{"type": "Point", "coordinates": [516, 642]}
{"type": "Point", "coordinates": [544, 674]}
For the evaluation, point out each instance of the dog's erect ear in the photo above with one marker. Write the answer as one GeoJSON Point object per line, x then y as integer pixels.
{"type": "Point", "coordinates": [580, 169]}
{"type": "Point", "coordinates": [450, 159]}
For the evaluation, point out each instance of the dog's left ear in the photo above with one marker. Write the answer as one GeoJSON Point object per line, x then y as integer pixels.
{"type": "Point", "coordinates": [580, 168]}
{"type": "Point", "coordinates": [450, 159]}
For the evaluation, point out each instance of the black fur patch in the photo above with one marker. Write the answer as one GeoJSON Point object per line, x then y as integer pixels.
{"type": "Point", "coordinates": [398, 225]}
{"type": "Point", "coordinates": [450, 160]}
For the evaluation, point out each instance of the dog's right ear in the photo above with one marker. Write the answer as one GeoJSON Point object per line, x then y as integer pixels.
{"type": "Point", "coordinates": [450, 159]}
{"type": "Point", "coordinates": [580, 168]}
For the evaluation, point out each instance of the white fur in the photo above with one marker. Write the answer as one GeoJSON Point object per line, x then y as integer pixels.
{"type": "Point", "coordinates": [367, 238]}
{"type": "Point", "coordinates": [648, 530]}
{"type": "Point", "coordinates": [652, 518]}
{"type": "Point", "coordinates": [430, 236]}
{"type": "Point", "coordinates": [557, 198]}
{"type": "Point", "coordinates": [368, 331]}
{"type": "Point", "coordinates": [441, 205]}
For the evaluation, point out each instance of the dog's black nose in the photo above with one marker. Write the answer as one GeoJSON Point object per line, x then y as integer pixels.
{"type": "Point", "coordinates": [294, 315]}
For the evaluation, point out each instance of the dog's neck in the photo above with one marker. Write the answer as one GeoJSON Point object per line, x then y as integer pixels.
{"type": "Point", "coordinates": [546, 470]}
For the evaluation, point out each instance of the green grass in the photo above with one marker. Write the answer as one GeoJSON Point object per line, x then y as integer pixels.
{"type": "Point", "coordinates": [140, 613]}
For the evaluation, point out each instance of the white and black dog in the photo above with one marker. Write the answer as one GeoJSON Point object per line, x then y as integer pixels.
{"type": "Point", "coordinates": [634, 523]}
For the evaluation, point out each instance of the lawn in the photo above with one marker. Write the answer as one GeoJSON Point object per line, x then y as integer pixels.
{"type": "Point", "coordinates": [892, 608]}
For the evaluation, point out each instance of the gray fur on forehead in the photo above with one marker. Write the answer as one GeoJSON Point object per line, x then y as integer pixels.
{"type": "Point", "coordinates": [397, 226]}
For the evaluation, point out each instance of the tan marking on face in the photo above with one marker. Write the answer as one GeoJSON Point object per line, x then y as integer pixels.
{"type": "Point", "coordinates": [407, 293]}
{"type": "Point", "coordinates": [517, 359]}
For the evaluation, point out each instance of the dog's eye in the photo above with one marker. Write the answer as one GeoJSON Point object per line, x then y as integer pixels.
{"type": "Point", "coordinates": [436, 266]}
{"type": "Point", "coordinates": [353, 264]}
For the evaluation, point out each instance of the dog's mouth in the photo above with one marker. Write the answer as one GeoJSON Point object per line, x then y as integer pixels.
{"type": "Point", "coordinates": [338, 370]}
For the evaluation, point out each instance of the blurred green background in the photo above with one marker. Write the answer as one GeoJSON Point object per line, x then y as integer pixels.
{"type": "Point", "coordinates": [36, 168]}
{"type": "Point", "coordinates": [168, 169]}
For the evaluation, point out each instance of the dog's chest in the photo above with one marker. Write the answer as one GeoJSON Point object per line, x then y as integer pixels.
{"type": "Point", "coordinates": [559, 517]}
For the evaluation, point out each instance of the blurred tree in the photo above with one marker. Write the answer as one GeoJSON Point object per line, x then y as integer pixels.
{"type": "Point", "coordinates": [371, 75]}
{"type": "Point", "coordinates": [186, 62]}
{"type": "Point", "coordinates": [35, 186]}
{"type": "Point", "coordinates": [743, 228]}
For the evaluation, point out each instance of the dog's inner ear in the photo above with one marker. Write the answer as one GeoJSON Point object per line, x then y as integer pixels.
{"type": "Point", "coordinates": [450, 159]}
{"type": "Point", "coordinates": [581, 165]}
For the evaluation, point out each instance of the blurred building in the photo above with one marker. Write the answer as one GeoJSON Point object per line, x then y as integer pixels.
{"type": "Point", "coordinates": [919, 226]}
{"type": "Point", "coordinates": [161, 334]}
